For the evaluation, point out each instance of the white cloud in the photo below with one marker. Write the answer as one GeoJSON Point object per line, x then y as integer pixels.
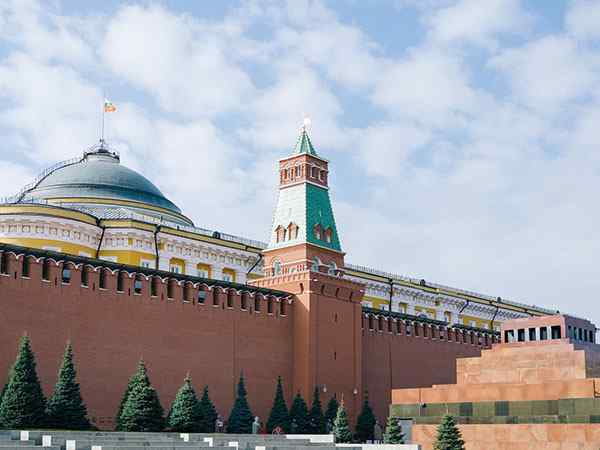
{"type": "Point", "coordinates": [478, 22]}
{"type": "Point", "coordinates": [189, 69]}
{"type": "Point", "coordinates": [548, 72]}
{"type": "Point", "coordinates": [583, 19]}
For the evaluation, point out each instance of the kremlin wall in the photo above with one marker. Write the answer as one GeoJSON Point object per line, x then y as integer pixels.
{"type": "Point", "coordinates": [93, 253]}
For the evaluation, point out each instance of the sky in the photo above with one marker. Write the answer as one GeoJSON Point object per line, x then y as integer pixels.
{"type": "Point", "coordinates": [463, 135]}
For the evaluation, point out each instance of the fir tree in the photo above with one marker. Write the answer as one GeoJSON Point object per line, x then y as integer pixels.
{"type": "Point", "coordinates": [142, 410]}
{"type": "Point", "coordinates": [448, 435]}
{"type": "Point", "coordinates": [66, 409]}
{"type": "Point", "coordinates": [208, 413]}
{"type": "Point", "coordinates": [279, 416]}
{"type": "Point", "coordinates": [241, 418]}
{"type": "Point", "coordinates": [331, 412]}
{"type": "Point", "coordinates": [139, 376]}
{"type": "Point", "coordinates": [23, 404]}
{"type": "Point", "coordinates": [341, 427]}
{"type": "Point", "coordinates": [393, 431]}
{"type": "Point", "coordinates": [316, 419]}
{"type": "Point", "coordinates": [365, 422]}
{"type": "Point", "coordinates": [299, 416]}
{"type": "Point", "coordinates": [186, 414]}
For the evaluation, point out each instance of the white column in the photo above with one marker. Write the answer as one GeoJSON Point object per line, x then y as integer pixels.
{"type": "Point", "coordinates": [240, 276]}
{"type": "Point", "coordinates": [163, 263]}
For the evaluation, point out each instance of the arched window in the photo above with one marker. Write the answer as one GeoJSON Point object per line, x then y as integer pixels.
{"type": "Point", "coordinates": [317, 231]}
{"type": "Point", "coordinates": [277, 267]}
{"type": "Point", "coordinates": [315, 264]}
{"type": "Point", "coordinates": [328, 235]}
{"type": "Point", "coordinates": [332, 270]}
{"type": "Point", "coordinates": [314, 172]}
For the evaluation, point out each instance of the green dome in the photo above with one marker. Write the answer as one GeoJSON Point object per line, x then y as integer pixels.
{"type": "Point", "coordinates": [99, 175]}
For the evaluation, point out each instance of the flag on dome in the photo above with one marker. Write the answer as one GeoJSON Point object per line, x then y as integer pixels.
{"type": "Point", "coordinates": [109, 106]}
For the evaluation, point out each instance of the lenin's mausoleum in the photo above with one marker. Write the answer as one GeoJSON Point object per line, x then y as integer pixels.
{"type": "Point", "coordinates": [93, 253]}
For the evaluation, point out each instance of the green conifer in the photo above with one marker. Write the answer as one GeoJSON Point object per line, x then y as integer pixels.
{"type": "Point", "coordinates": [142, 410]}
{"type": "Point", "coordinates": [279, 416]}
{"type": "Point", "coordinates": [140, 375]}
{"type": "Point", "coordinates": [393, 431]}
{"type": "Point", "coordinates": [241, 418]}
{"type": "Point", "coordinates": [331, 412]}
{"type": "Point", "coordinates": [208, 413]}
{"type": "Point", "coordinates": [365, 422]}
{"type": "Point", "coordinates": [316, 419]}
{"type": "Point", "coordinates": [23, 404]}
{"type": "Point", "coordinates": [299, 416]}
{"type": "Point", "coordinates": [341, 427]}
{"type": "Point", "coordinates": [186, 414]}
{"type": "Point", "coordinates": [66, 409]}
{"type": "Point", "coordinates": [448, 435]}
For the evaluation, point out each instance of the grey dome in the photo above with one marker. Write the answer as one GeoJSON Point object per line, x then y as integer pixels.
{"type": "Point", "coordinates": [100, 175]}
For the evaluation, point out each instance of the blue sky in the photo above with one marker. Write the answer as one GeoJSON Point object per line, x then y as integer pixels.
{"type": "Point", "coordinates": [463, 135]}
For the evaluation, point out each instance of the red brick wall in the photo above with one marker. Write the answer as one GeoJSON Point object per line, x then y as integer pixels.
{"type": "Point", "coordinates": [392, 361]}
{"type": "Point", "coordinates": [110, 331]}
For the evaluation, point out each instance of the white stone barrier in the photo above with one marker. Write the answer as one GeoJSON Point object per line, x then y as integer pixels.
{"type": "Point", "coordinates": [209, 440]}
{"type": "Point", "coordinates": [46, 441]}
{"type": "Point", "coordinates": [70, 445]}
{"type": "Point", "coordinates": [314, 438]}
{"type": "Point", "coordinates": [185, 437]}
{"type": "Point", "coordinates": [24, 435]}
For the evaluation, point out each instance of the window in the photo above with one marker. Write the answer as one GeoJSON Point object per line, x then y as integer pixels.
{"type": "Point", "coordinates": [315, 264]}
{"type": "Point", "coordinates": [201, 296]}
{"type": "Point", "coordinates": [120, 281]}
{"type": "Point", "coordinates": [85, 276]}
{"type": "Point", "coordinates": [3, 263]}
{"type": "Point", "coordinates": [175, 269]}
{"type": "Point", "coordinates": [25, 269]}
{"type": "Point", "coordinates": [137, 285]}
{"type": "Point", "coordinates": [203, 271]}
{"type": "Point", "coordinates": [66, 275]}
{"type": "Point", "coordinates": [154, 287]}
{"type": "Point", "coordinates": [328, 235]}
{"type": "Point", "coordinates": [521, 335]}
{"type": "Point", "coordinates": [317, 231]}
{"type": "Point", "coordinates": [314, 172]}
{"type": "Point", "coordinates": [145, 264]}
{"type": "Point", "coordinates": [102, 280]}
{"type": "Point", "coordinates": [532, 334]}
{"type": "Point", "coordinates": [277, 267]}
{"type": "Point", "coordinates": [332, 270]}
{"type": "Point", "coordinates": [555, 330]}
{"type": "Point", "coordinates": [543, 333]}
{"type": "Point", "coordinates": [229, 275]}
{"type": "Point", "coordinates": [509, 336]}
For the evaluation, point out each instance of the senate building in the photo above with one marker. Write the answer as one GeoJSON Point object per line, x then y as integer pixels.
{"type": "Point", "coordinates": [93, 253]}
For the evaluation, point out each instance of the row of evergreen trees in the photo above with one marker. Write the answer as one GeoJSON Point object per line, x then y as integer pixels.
{"type": "Point", "coordinates": [22, 405]}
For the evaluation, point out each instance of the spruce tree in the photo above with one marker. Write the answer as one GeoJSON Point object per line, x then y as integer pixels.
{"type": "Point", "coordinates": [23, 404]}
{"type": "Point", "coordinates": [448, 435]}
{"type": "Point", "coordinates": [208, 413]}
{"type": "Point", "coordinates": [316, 419]}
{"type": "Point", "coordinates": [186, 414]}
{"type": "Point", "coordinates": [393, 431]}
{"type": "Point", "coordinates": [331, 412]}
{"type": "Point", "coordinates": [365, 422]}
{"type": "Point", "coordinates": [279, 416]}
{"type": "Point", "coordinates": [241, 418]}
{"type": "Point", "coordinates": [341, 427]}
{"type": "Point", "coordinates": [299, 416]}
{"type": "Point", "coordinates": [142, 410]}
{"type": "Point", "coordinates": [66, 409]}
{"type": "Point", "coordinates": [139, 376]}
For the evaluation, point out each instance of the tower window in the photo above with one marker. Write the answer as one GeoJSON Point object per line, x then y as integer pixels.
{"type": "Point", "coordinates": [314, 172]}
{"type": "Point", "coordinates": [277, 267]}
{"type": "Point", "coordinates": [315, 264]}
{"type": "Point", "coordinates": [332, 270]}
{"type": "Point", "coordinates": [317, 231]}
